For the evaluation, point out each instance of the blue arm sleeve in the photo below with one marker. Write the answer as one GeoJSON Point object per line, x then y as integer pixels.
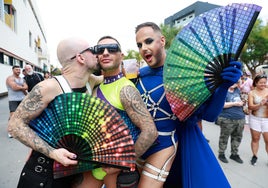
{"type": "Point", "coordinates": [213, 107]}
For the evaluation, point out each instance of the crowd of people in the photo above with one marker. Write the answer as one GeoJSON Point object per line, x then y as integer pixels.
{"type": "Point", "coordinates": [20, 83]}
{"type": "Point", "coordinates": [170, 153]}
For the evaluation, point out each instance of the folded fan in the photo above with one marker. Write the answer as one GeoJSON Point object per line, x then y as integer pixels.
{"type": "Point", "coordinates": [88, 127]}
{"type": "Point", "coordinates": [200, 52]}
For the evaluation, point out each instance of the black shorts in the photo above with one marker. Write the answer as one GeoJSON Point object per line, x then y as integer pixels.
{"type": "Point", "coordinates": [38, 172]}
{"type": "Point", "coordinates": [13, 105]}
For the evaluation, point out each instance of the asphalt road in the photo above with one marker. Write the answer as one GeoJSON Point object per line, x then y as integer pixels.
{"type": "Point", "coordinates": [14, 154]}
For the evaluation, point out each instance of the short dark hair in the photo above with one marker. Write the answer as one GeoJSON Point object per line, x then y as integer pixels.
{"type": "Point", "coordinates": [15, 66]}
{"type": "Point", "coordinates": [109, 37]}
{"type": "Point", "coordinates": [153, 25]}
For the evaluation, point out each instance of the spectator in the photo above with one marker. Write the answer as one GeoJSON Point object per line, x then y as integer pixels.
{"type": "Point", "coordinates": [32, 78]}
{"type": "Point", "coordinates": [24, 73]}
{"type": "Point", "coordinates": [17, 89]}
{"type": "Point", "coordinates": [231, 121]}
{"type": "Point", "coordinates": [245, 87]}
{"type": "Point", "coordinates": [258, 120]}
{"type": "Point", "coordinates": [46, 75]}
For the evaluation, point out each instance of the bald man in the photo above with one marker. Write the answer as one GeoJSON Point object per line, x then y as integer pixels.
{"type": "Point", "coordinates": [78, 61]}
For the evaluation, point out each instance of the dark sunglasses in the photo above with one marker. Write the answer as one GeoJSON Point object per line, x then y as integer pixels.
{"type": "Point", "coordinates": [91, 49]}
{"type": "Point", "coordinates": [112, 48]}
{"type": "Point", "coordinates": [261, 76]}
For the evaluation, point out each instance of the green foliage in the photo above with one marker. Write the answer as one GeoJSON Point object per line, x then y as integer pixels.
{"type": "Point", "coordinates": [132, 54]}
{"type": "Point", "coordinates": [169, 33]}
{"type": "Point", "coordinates": [55, 71]}
{"type": "Point", "coordinates": [254, 53]}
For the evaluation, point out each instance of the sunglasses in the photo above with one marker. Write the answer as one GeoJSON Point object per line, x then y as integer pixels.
{"type": "Point", "coordinates": [112, 48]}
{"type": "Point", "coordinates": [261, 76]}
{"type": "Point", "coordinates": [91, 49]}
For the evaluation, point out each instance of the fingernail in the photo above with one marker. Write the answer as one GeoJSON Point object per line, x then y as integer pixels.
{"type": "Point", "coordinates": [74, 156]}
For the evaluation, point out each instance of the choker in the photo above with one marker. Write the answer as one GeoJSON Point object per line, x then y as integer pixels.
{"type": "Point", "coordinates": [111, 79]}
{"type": "Point", "coordinates": [80, 90]}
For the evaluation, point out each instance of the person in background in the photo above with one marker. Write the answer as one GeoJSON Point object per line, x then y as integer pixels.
{"type": "Point", "coordinates": [258, 119]}
{"type": "Point", "coordinates": [78, 61]}
{"type": "Point", "coordinates": [122, 94]}
{"type": "Point", "coordinates": [46, 75]}
{"type": "Point", "coordinates": [246, 85]}
{"type": "Point", "coordinates": [24, 73]}
{"type": "Point", "coordinates": [17, 89]}
{"type": "Point", "coordinates": [195, 161]}
{"type": "Point", "coordinates": [231, 121]}
{"type": "Point", "coordinates": [32, 78]}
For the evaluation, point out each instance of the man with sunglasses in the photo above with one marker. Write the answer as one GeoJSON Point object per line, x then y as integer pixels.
{"type": "Point", "coordinates": [78, 62]}
{"type": "Point", "coordinates": [121, 93]}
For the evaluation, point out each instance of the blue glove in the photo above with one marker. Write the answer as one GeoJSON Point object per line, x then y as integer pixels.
{"type": "Point", "coordinates": [214, 105]}
{"type": "Point", "coordinates": [231, 74]}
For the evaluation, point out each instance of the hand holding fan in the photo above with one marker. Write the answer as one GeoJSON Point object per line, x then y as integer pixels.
{"type": "Point", "coordinates": [88, 127]}
{"type": "Point", "coordinates": [200, 52]}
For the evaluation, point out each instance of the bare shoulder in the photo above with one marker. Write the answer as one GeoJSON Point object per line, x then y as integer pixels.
{"type": "Point", "coordinates": [132, 101]}
{"type": "Point", "coordinates": [38, 99]}
{"type": "Point", "coordinates": [9, 79]}
{"type": "Point", "coordinates": [130, 94]}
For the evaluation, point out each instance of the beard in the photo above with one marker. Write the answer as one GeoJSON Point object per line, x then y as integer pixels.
{"type": "Point", "coordinates": [30, 73]}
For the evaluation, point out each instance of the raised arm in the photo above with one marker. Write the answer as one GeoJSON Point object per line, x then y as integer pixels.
{"type": "Point", "coordinates": [139, 115]}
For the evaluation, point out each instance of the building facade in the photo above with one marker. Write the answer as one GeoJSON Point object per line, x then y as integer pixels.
{"type": "Point", "coordinates": [23, 39]}
{"type": "Point", "coordinates": [183, 17]}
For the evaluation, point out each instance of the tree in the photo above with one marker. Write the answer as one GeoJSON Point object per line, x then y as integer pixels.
{"type": "Point", "coordinates": [255, 51]}
{"type": "Point", "coordinates": [132, 54]}
{"type": "Point", "coordinates": [169, 33]}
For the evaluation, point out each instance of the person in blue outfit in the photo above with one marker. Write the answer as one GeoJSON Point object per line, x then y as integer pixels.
{"type": "Point", "coordinates": [194, 165]}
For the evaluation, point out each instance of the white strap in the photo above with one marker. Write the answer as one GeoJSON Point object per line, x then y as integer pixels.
{"type": "Point", "coordinates": [64, 84]}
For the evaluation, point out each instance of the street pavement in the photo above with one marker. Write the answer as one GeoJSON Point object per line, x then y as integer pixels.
{"type": "Point", "coordinates": [14, 154]}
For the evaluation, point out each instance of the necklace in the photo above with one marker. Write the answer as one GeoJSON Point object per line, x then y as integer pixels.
{"type": "Point", "coordinates": [111, 79]}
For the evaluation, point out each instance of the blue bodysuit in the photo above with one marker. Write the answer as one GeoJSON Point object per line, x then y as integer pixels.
{"type": "Point", "coordinates": [150, 85]}
{"type": "Point", "coordinates": [195, 165]}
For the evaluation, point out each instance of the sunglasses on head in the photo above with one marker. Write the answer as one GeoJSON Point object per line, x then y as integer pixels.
{"type": "Point", "coordinates": [112, 48]}
{"type": "Point", "coordinates": [91, 49]}
{"type": "Point", "coordinates": [261, 76]}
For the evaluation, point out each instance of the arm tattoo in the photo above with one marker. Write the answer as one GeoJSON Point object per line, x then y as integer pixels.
{"type": "Point", "coordinates": [31, 105]}
{"type": "Point", "coordinates": [139, 115]}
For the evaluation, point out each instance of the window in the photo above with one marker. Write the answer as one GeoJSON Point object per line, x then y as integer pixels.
{"type": "Point", "coordinates": [6, 60]}
{"type": "Point", "coordinates": [2, 57]}
{"type": "Point", "coordinates": [10, 16]}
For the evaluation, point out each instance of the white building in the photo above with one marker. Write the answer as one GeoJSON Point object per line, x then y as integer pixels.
{"type": "Point", "coordinates": [22, 38]}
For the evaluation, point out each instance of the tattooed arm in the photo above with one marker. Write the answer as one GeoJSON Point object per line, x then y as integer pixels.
{"type": "Point", "coordinates": [139, 115]}
{"type": "Point", "coordinates": [32, 106]}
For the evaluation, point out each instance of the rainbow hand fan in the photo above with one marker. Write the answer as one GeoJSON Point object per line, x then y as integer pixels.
{"type": "Point", "coordinates": [200, 52]}
{"type": "Point", "coordinates": [88, 127]}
